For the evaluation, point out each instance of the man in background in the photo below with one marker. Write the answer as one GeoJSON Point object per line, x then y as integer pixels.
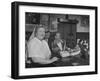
{"type": "Point", "coordinates": [47, 38]}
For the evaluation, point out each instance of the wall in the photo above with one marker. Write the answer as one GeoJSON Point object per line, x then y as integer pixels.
{"type": "Point", "coordinates": [50, 21]}
{"type": "Point", "coordinates": [80, 27]}
{"type": "Point", "coordinates": [5, 40]}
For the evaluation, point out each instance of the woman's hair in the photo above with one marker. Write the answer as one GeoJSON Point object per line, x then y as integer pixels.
{"type": "Point", "coordinates": [35, 31]}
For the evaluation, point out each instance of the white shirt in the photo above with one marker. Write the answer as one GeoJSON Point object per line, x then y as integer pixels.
{"type": "Point", "coordinates": [60, 45]}
{"type": "Point", "coordinates": [38, 49]}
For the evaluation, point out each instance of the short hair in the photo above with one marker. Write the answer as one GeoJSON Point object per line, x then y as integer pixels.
{"type": "Point", "coordinates": [57, 33]}
{"type": "Point", "coordinates": [47, 31]}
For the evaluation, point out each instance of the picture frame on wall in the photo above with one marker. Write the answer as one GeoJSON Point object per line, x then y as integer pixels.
{"type": "Point", "coordinates": [35, 56]}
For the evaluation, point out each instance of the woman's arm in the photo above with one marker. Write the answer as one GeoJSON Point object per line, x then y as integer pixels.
{"type": "Point", "coordinates": [44, 61]}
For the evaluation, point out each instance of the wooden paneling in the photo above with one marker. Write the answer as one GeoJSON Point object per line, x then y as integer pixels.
{"type": "Point", "coordinates": [68, 32]}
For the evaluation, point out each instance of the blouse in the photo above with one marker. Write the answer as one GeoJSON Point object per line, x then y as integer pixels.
{"type": "Point", "coordinates": [38, 49]}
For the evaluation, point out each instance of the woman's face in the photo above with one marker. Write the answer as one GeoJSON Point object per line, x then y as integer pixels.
{"type": "Point", "coordinates": [40, 33]}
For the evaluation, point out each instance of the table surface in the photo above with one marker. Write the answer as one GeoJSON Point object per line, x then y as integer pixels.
{"type": "Point", "coordinates": [76, 60]}
{"type": "Point", "coordinates": [72, 61]}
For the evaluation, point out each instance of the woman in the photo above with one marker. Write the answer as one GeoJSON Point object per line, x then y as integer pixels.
{"type": "Point", "coordinates": [38, 48]}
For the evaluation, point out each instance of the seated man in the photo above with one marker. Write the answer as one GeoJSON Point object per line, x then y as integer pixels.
{"type": "Point", "coordinates": [48, 38]}
{"type": "Point", "coordinates": [58, 45]}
